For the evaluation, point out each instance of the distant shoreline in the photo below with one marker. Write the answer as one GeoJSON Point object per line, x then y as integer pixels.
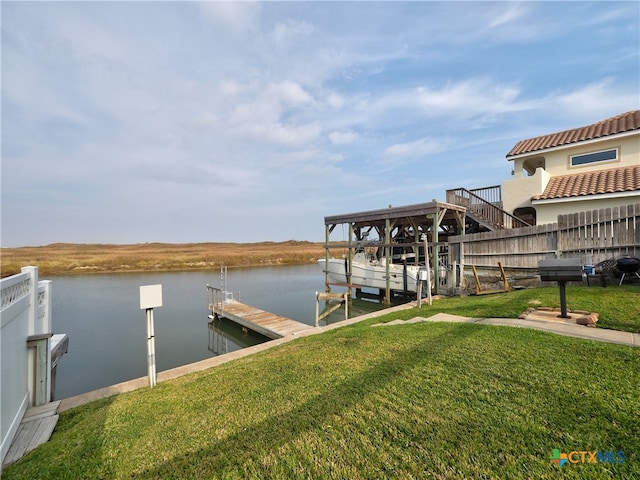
{"type": "Point", "coordinates": [75, 258]}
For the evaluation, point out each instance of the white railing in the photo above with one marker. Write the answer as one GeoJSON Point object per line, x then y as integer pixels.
{"type": "Point", "coordinates": [25, 311]}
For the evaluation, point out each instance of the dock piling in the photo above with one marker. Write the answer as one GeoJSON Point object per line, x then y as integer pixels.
{"type": "Point", "coordinates": [343, 298]}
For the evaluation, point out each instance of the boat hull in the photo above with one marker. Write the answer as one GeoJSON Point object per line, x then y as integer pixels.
{"type": "Point", "coordinates": [368, 274]}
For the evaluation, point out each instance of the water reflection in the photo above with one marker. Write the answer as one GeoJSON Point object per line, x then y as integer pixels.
{"type": "Point", "coordinates": [226, 336]}
{"type": "Point", "coordinates": [106, 328]}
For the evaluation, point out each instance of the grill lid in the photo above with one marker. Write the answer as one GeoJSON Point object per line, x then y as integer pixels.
{"type": "Point", "coordinates": [560, 269]}
{"type": "Point", "coordinates": [628, 264]}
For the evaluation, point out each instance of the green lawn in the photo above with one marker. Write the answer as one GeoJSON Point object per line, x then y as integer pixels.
{"type": "Point", "coordinates": [619, 307]}
{"type": "Point", "coordinates": [426, 400]}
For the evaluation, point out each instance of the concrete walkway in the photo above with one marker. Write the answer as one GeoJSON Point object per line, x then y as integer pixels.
{"type": "Point", "coordinates": [560, 328]}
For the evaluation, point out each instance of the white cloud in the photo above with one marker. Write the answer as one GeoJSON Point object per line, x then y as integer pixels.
{"type": "Point", "coordinates": [417, 149]}
{"type": "Point", "coordinates": [335, 100]}
{"type": "Point", "coordinates": [469, 98]}
{"type": "Point", "coordinates": [598, 99]}
{"type": "Point", "coordinates": [278, 133]}
{"type": "Point", "coordinates": [288, 93]}
{"type": "Point", "coordinates": [342, 138]}
{"type": "Point", "coordinates": [236, 17]}
{"type": "Point", "coordinates": [508, 13]}
{"type": "Point", "coordinates": [517, 22]}
{"type": "Point", "coordinates": [289, 32]}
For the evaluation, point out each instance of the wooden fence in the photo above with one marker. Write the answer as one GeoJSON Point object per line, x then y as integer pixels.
{"type": "Point", "coordinates": [592, 236]}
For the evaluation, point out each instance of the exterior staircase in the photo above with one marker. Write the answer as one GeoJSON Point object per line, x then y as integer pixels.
{"type": "Point", "coordinates": [484, 206]}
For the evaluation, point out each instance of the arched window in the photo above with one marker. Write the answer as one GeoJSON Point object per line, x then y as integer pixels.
{"type": "Point", "coordinates": [531, 164]}
{"type": "Point", "coordinates": [528, 214]}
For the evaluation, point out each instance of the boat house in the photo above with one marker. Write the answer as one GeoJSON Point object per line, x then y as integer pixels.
{"type": "Point", "coordinates": [395, 232]}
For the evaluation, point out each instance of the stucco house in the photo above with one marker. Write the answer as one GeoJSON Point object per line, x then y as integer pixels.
{"type": "Point", "coordinates": [585, 168]}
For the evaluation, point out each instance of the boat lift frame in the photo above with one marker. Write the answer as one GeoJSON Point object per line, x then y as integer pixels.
{"type": "Point", "coordinates": [393, 225]}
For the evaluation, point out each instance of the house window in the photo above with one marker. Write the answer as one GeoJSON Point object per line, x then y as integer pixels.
{"type": "Point", "coordinates": [604, 156]}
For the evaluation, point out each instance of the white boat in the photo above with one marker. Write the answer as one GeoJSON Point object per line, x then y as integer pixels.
{"type": "Point", "coordinates": [369, 271]}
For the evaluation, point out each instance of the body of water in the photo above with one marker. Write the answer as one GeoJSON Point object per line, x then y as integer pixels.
{"type": "Point", "coordinates": [107, 330]}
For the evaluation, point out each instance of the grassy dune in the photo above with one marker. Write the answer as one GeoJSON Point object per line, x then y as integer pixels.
{"type": "Point", "coordinates": [71, 258]}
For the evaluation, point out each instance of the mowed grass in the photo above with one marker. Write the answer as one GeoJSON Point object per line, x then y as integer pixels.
{"type": "Point", "coordinates": [618, 306]}
{"type": "Point", "coordinates": [426, 400]}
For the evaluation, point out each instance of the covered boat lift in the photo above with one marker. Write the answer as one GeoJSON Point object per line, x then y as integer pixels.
{"type": "Point", "coordinates": [395, 227]}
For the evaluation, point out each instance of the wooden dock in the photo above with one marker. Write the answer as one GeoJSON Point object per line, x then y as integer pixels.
{"type": "Point", "coordinates": [268, 324]}
{"type": "Point", "coordinates": [35, 429]}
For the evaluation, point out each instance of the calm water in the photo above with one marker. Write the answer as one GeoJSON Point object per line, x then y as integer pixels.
{"type": "Point", "coordinates": [107, 330]}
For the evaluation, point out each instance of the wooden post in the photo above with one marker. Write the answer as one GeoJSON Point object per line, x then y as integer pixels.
{"type": "Point", "coordinates": [505, 282]}
{"type": "Point", "coordinates": [475, 275]}
{"type": "Point", "coordinates": [350, 256]}
{"type": "Point", "coordinates": [327, 234]}
{"type": "Point", "coordinates": [426, 261]}
{"type": "Point", "coordinates": [461, 264]}
{"type": "Point", "coordinates": [454, 274]}
{"type": "Point", "coordinates": [347, 297]}
{"type": "Point", "coordinates": [387, 241]}
{"type": "Point", "coordinates": [342, 298]}
{"type": "Point", "coordinates": [41, 343]}
{"type": "Point", "coordinates": [434, 240]}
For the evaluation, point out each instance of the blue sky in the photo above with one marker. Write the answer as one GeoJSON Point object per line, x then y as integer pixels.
{"type": "Point", "coordinates": [180, 122]}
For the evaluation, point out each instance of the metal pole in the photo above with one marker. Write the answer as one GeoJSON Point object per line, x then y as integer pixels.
{"type": "Point", "coordinates": [563, 300]}
{"type": "Point", "coordinates": [151, 349]}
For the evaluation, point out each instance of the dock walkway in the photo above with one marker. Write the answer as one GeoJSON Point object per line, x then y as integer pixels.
{"type": "Point", "coordinates": [266, 323]}
{"type": "Point", "coordinates": [35, 429]}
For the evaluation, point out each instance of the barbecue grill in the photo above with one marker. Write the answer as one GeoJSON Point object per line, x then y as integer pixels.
{"type": "Point", "coordinates": [629, 265]}
{"type": "Point", "coordinates": [561, 270]}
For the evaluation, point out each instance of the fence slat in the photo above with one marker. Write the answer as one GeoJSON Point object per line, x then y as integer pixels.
{"type": "Point", "coordinates": [593, 236]}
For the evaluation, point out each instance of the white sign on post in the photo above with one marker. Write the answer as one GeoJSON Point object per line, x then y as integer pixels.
{"type": "Point", "coordinates": [150, 297]}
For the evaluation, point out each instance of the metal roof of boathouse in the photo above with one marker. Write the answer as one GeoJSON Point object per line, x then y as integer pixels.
{"type": "Point", "coordinates": [421, 214]}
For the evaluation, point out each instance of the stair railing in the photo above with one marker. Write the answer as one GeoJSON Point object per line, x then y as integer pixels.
{"type": "Point", "coordinates": [489, 211]}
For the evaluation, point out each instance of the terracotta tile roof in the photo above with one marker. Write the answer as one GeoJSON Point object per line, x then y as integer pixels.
{"type": "Point", "coordinates": [611, 126]}
{"type": "Point", "coordinates": [624, 179]}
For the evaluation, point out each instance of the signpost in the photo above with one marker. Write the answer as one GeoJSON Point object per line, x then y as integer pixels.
{"type": "Point", "coordinates": [150, 297]}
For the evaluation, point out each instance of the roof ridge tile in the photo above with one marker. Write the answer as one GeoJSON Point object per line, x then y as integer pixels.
{"type": "Point", "coordinates": [611, 126]}
{"type": "Point", "coordinates": [620, 179]}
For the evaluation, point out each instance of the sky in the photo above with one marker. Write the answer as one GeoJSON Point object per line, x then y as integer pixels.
{"type": "Point", "coordinates": [180, 122]}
